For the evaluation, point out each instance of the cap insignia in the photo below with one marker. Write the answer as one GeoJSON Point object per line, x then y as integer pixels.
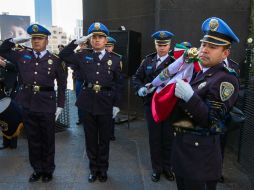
{"type": "Point", "coordinates": [97, 26]}
{"type": "Point", "coordinates": [213, 24]}
{"type": "Point", "coordinates": [35, 28]}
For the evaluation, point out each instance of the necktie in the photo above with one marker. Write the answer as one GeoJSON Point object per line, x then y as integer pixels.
{"type": "Point", "coordinates": [38, 56]}
{"type": "Point", "coordinates": [158, 61]}
{"type": "Point", "coordinates": [96, 55]}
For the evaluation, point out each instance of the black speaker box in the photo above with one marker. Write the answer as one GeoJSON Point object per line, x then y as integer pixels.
{"type": "Point", "coordinates": [128, 44]}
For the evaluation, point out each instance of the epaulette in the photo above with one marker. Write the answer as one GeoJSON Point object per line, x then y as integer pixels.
{"type": "Point", "coordinates": [230, 70]}
{"type": "Point", "coordinates": [55, 55]}
{"type": "Point", "coordinates": [234, 61]}
{"type": "Point", "coordinates": [116, 54]}
{"type": "Point", "coordinates": [151, 54]}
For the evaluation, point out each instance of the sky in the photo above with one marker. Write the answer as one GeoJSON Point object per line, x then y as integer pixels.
{"type": "Point", "coordinates": [65, 12]}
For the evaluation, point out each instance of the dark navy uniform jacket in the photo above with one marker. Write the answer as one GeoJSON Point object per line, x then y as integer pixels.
{"type": "Point", "coordinates": [41, 73]}
{"type": "Point", "coordinates": [105, 72]}
{"type": "Point", "coordinates": [196, 151]}
{"type": "Point", "coordinates": [147, 71]}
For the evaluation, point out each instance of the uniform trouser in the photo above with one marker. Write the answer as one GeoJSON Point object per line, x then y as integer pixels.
{"type": "Point", "coordinates": [12, 143]}
{"type": "Point", "coordinates": [188, 184]}
{"type": "Point", "coordinates": [160, 141]}
{"type": "Point", "coordinates": [97, 133]}
{"type": "Point", "coordinates": [78, 88]}
{"type": "Point", "coordinates": [40, 130]}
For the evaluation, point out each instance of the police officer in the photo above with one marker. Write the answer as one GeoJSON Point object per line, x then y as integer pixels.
{"type": "Point", "coordinates": [38, 69]}
{"type": "Point", "coordinates": [160, 134]}
{"type": "Point", "coordinates": [110, 48]}
{"type": "Point", "coordinates": [199, 117]}
{"type": "Point", "coordinates": [8, 78]}
{"type": "Point", "coordinates": [98, 99]}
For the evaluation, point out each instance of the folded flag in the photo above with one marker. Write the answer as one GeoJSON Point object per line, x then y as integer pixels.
{"type": "Point", "coordinates": [164, 99]}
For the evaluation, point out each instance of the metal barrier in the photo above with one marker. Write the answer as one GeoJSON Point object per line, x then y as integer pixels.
{"type": "Point", "coordinates": [63, 121]}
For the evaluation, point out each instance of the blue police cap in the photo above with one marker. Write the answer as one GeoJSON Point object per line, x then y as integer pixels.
{"type": "Point", "coordinates": [186, 44]}
{"type": "Point", "coordinates": [162, 37]}
{"type": "Point", "coordinates": [218, 32]}
{"type": "Point", "coordinates": [36, 30]}
{"type": "Point", "coordinates": [99, 29]}
{"type": "Point", "coordinates": [111, 41]}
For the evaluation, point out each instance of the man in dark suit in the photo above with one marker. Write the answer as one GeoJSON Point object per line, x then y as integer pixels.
{"type": "Point", "coordinates": [200, 115]}
{"type": "Point", "coordinates": [160, 134]}
{"type": "Point", "coordinates": [99, 96]}
{"type": "Point", "coordinates": [38, 69]}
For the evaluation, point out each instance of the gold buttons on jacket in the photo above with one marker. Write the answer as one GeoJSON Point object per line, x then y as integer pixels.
{"type": "Point", "coordinates": [196, 143]}
{"type": "Point", "coordinates": [97, 73]}
{"type": "Point", "coordinates": [35, 73]}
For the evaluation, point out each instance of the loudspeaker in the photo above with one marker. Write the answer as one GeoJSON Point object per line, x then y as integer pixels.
{"type": "Point", "coordinates": [128, 44]}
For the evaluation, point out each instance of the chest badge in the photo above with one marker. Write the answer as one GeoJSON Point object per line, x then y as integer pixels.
{"type": "Point", "coordinates": [109, 62]}
{"type": "Point", "coordinates": [202, 85]}
{"type": "Point", "coordinates": [50, 61]}
{"type": "Point", "coordinates": [226, 90]}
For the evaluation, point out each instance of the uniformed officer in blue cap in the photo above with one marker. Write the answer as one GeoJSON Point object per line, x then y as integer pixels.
{"type": "Point", "coordinates": [98, 99]}
{"type": "Point", "coordinates": [110, 44]}
{"type": "Point", "coordinates": [38, 69]}
{"type": "Point", "coordinates": [160, 134]}
{"type": "Point", "coordinates": [199, 117]}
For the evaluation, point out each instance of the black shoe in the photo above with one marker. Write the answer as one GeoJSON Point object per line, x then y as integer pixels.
{"type": "Point", "coordinates": [113, 138]}
{"type": "Point", "coordinates": [92, 177]}
{"type": "Point", "coordinates": [103, 176]}
{"type": "Point", "coordinates": [47, 177]}
{"type": "Point", "coordinates": [35, 177]}
{"type": "Point", "coordinates": [169, 175]}
{"type": "Point", "coordinates": [155, 177]}
{"type": "Point", "coordinates": [221, 180]}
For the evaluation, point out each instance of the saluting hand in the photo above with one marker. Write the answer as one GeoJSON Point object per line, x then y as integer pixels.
{"type": "Point", "coordinates": [183, 90]}
{"type": "Point", "coordinates": [83, 39]}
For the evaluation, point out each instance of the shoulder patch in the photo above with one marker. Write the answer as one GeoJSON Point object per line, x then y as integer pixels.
{"type": "Point", "coordinates": [226, 90]}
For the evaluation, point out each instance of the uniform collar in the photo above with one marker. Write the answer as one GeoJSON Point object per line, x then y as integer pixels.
{"type": "Point", "coordinates": [162, 58]}
{"type": "Point", "coordinates": [103, 52]}
{"type": "Point", "coordinates": [42, 53]}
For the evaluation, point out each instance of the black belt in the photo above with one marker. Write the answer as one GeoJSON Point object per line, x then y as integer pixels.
{"type": "Point", "coordinates": [37, 88]}
{"type": "Point", "coordinates": [96, 87]}
{"type": "Point", "coordinates": [193, 131]}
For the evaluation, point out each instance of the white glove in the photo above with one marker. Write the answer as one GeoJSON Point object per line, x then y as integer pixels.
{"type": "Point", "coordinates": [142, 91]}
{"type": "Point", "coordinates": [83, 39]}
{"type": "Point", "coordinates": [58, 112]}
{"type": "Point", "coordinates": [19, 40]}
{"type": "Point", "coordinates": [150, 88]}
{"type": "Point", "coordinates": [115, 111]}
{"type": "Point", "coordinates": [183, 90]}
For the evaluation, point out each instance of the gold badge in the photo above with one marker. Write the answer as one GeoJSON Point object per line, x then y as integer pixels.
{"type": "Point", "coordinates": [109, 62]}
{"type": "Point", "coordinates": [202, 85]}
{"type": "Point", "coordinates": [162, 34]}
{"type": "Point", "coordinates": [97, 26]}
{"type": "Point", "coordinates": [35, 28]}
{"type": "Point", "coordinates": [226, 90]}
{"type": "Point", "coordinates": [50, 61]}
{"type": "Point", "coordinates": [213, 24]}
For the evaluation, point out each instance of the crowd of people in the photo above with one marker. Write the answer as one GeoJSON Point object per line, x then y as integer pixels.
{"type": "Point", "coordinates": [184, 146]}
